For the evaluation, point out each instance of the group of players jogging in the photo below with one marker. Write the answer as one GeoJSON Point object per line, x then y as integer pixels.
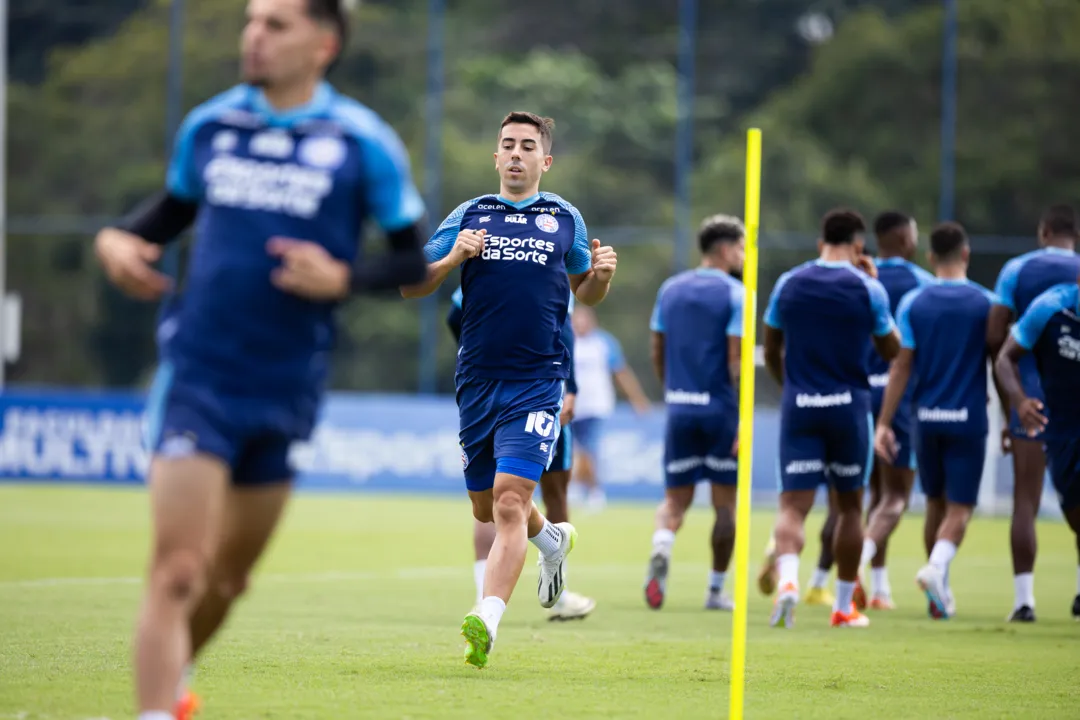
{"type": "Point", "coordinates": [277, 176]}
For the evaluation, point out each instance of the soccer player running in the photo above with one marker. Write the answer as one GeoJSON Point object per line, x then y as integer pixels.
{"type": "Point", "coordinates": [944, 337]}
{"type": "Point", "coordinates": [274, 173]}
{"type": "Point", "coordinates": [696, 346]}
{"type": "Point", "coordinates": [1049, 331]}
{"type": "Point", "coordinates": [1022, 280]}
{"type": "Point", "coordinates": [521, 252]}
{"type": "Point", "coordinates": [819, 323]}
{"type": "Point", "coordinates": [553, 483]}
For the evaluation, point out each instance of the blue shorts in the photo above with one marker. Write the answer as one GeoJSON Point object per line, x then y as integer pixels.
{"type": "Point", "coordinates": [587, 433]}
{"type": "Point", "coordinates": [1063, 458]}
{"type": "Point", "coordinates": [902, 427]}
{"type": "Point", "coordinates": [698, 447]}
{"type": "Point", "coordinates": [951, 466]}
{"type": "Point", "coordinates": [251, 435]}
{"type": "Point", "coordinates": [509, 426]}
{"type": "Point", "coordinates": [1029, 380]}
{"type": "Point", "coordinates": [563, 460]}
{"type": "Point", "coordinates": [825, 445]}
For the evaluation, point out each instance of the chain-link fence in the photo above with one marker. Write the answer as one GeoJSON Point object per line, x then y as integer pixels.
{"type": "Point", "coordinates": [651, 104]}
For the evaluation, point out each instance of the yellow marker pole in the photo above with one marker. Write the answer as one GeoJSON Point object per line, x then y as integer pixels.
{"type": "Point", "coordinates": [746, 424]}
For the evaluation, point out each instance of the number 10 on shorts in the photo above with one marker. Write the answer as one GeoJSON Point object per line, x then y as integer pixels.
{"type": "Point", "coordinates": [541, 423]}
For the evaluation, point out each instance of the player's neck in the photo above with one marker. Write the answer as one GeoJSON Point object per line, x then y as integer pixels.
{"type": "Point", "coordinates": [1061, 242]}
{"type": "Point", "coordinates": [287, 97]}
{"type": "Point", "coordinates": [886, 253]}
{"type": "Point", "coordinates": [837, 253]}
{"type": "Point", "coordinates": [516, 197]}
{"type": "Point", "coordinates": [714, 263]}
{"type": "Point", "coordinates": [951, 271]}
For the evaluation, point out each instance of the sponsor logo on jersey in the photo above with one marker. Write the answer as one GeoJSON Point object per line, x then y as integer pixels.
{"type": "Point", "coordinates": [515, 220]}
{"type": "Point", "coordinates": [547, 223]}
{"type": "Point", "coordinates": [224, 141]}
{"type": "Point", "coordinates": [272, 144]}
{"type": "Point", "coordinates": [506, 248]}
{"type": "Point", "coordinates": [323, 152]}
{"type": "Point", "coordinates": [685, 397]}
{"type": "Point", "coordinates": [1069, 347]}
{"type": "Point", "coordinates": [806, 400]}
{"type": "Point", "coordinates": [285, 188]}
{"type": "Point", "coordinates": [943, 415]}
{"type": "Point", "coordinates": [491, 207]}
{"type": "Point", "coordinates": [486, 218]}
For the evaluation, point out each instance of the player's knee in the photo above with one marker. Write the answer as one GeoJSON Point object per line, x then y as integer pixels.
{"type": "Point", "coordinates": [228, 585]}
{"type": "Point", "coordinates": [509, 507]}
{"type": "Point", "coordinates": [482, 511]}
{"type": "Point", "coordinates": [181, 575]}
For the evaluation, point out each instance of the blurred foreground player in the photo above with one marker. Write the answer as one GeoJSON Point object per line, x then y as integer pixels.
{"type": "Point", "coordinates": [696, 349]}
{"type": "Point", "coordinates": [553, 483]}
{"type": "Point", "coordinates": [1050, 331]}
{"type": "Point", "coordinates": [1022, 280]}
{"type": "Point", "coordinates": [818, 326]}
{"type": "Point", "coordinates": [277, 174]}
{"type": "Point", "coordinates": [521, 252]}
{"type": "Point", "coordinates": [944, 345]}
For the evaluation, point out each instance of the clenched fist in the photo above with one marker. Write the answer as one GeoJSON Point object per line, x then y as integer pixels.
{"type": "Point", "coordinates": [603, 261]}
{"type": "Point", "coordinates": [469, 244]}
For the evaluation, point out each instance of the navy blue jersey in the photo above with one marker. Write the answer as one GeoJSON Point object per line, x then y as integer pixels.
{"type": "Point", "coordinates": [899, 277]}
{"type": "Point", "coordinates": [944, 324]}
{"type": "Point", "coordinates": [1050, 329]}
{"type": "Point", "coordinates": [515, 294]}
{"type": "Point", "coordinates": [312, 173]}
{"type": "Point", "coordinates": [697, 311]}
{"type": "Point", "coordinates": [827, 312]}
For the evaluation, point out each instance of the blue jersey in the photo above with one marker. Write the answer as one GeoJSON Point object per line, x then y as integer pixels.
{"type": "Point", "coordinates": [312, 173]}
{"type": "Point", "coordinates": [514, 295]}
{"type": "Point", "coordinates": [827, 312]}
{"type": "Point", "coordinates": [944, 324]}
{"type": "Point", "coordinates": [697, 311]}
{"type": "Point", "coordinates": [1050, 330]}
{"type": "Point", "coordinates": [899, 277]}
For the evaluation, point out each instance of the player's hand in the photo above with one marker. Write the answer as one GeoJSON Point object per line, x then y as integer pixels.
{"type": "Point", "coordinates": [885, 443]}
{"type": "Point", "coordinates": [308, 270]}
{"type": "Point", "coordinates": [1031, 416]}
{"type": "Point", "coordinates": [1006, 440]}
{"type": "Point", "coordinates": [127, 261]}
{"type": "Point", "coordinates": [567, 414]}
{"type": "Point", "coordinates": [603, 261]}
{"type": "Point", "coordinates": [866, 264]}
{"type": "Point", "coordinates": [469, 244]}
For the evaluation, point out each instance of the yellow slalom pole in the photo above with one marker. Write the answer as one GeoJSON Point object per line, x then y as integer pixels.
{"type": "Point", "coordinates": [746, 424]}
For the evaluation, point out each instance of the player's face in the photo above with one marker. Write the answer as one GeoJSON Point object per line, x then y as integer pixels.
{"type": "Point", "coordinates": [281, 44]}
{"type": "Point", "coordinates": [521, 159]}
{"type": "Point", "coordinates": [735, 254]}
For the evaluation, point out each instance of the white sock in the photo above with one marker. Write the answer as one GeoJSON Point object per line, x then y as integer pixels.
{"type": "Point", "coordinates": [942, 554]}
{"type": "Point", "coordinates": [845, 591]}
{"type": "Point", "coordinates": [479, 568]}
{"type": "Point", "coordinates": [880, 577]}
{"type": "Point", "coordinates": [185, 680]}
{"type": "Point", "coordinates": [548, 540]}
{"type": "Point", "coordinates": [819, 579]}
{"type": "Point", "coordinates": [869, 550]}
{"type": "Point", "coordinates": [716, 580]}
{"type": "Point", "coordinates": [1024, 589]}
{"type": "Point", "coordinates": [491, 612]}
{"type": "Point", "coordinates": [662, 542]}
{"type": "Point", "coordinates": [789, 569]}
{"type": "Point", "coordinates": [156, 715]}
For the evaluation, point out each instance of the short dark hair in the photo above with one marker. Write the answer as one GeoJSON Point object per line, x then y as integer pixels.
{"type": "Point", "coordinates": [890, 220]}
{"type": "Point", "coordinates": [331, 12]}
{"type": "Point", "coordinates": [718, 229]}
{"type": "Point", "coordinates": [840, 226]}
{"type": "Point", "coordinates": [545, 125]}
{"type": "Point", "coordinates": [1060, 221]}
{"type": "Point", "coordinates": [947, 239]}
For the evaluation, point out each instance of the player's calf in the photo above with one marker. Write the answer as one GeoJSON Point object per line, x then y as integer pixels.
{"type": "Point", "coordinates": [669, 518]}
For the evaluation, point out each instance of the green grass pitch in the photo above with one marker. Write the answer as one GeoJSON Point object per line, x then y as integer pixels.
{"type": "Point", "coordinates": [355, 613]}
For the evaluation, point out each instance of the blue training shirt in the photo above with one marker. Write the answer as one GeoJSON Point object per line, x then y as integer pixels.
{"type": "Point", "coordinates": [1050, 330]}
{"type": "Point", "coordinates": [827, 312]}
{"type": "Point", "coordinates": [944, 324]}
{"type": "Point", "coordinates": [899, 277]}
{"type": "Point", "coordinates": [515, 294]}
{"type": "Point", "coordinates": [314, 173]}
{"type": "Point", "coordinates": [697, 311]}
